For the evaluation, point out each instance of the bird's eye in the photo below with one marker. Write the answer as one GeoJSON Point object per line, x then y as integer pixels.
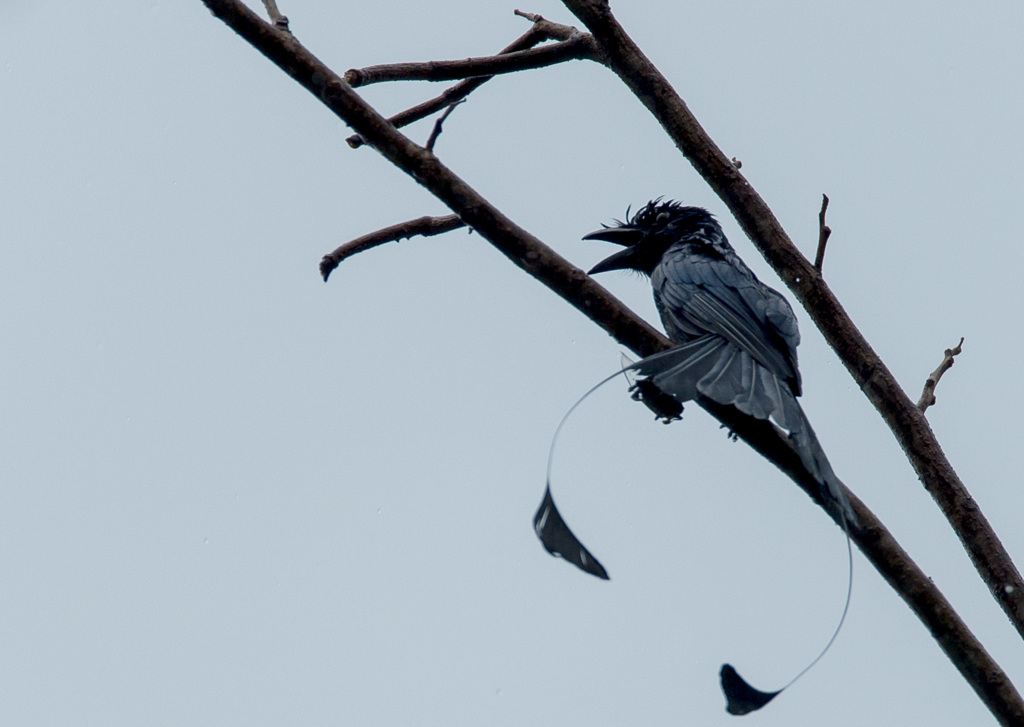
{"type": "Point", "coordinates": [662, 218]}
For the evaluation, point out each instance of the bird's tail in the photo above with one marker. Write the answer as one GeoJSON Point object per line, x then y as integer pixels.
{"type": "Point", "coordinates": [814, 459]}
{"type": "Point", "coordinates": [711, 367]}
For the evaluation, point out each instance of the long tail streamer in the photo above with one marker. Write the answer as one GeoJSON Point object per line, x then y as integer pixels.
{"type": "Point", "coordinates": [559, 540]}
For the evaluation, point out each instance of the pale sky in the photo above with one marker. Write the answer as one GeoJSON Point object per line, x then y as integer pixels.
{"type": "Point", "coordinates": [234, 495]}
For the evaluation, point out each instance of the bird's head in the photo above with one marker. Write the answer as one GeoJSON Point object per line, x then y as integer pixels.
{"type": "Point", "coordinates": [648, 234]}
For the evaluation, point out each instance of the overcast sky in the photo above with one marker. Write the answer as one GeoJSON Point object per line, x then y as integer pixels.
{"type": "Point", "coordinates": [234, 495]}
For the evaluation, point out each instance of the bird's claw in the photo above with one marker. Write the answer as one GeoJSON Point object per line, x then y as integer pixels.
{"type": "Point", "coordinates": [666, 407]}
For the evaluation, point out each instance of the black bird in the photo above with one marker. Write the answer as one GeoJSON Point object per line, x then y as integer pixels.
{"type": "Point", "coordinates": [736, 345]}
{"type": "Point", "coordinates": [737, 337]}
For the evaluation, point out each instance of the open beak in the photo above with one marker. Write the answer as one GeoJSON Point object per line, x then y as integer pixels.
{"type": "Point", "coordinates": [626, 236]}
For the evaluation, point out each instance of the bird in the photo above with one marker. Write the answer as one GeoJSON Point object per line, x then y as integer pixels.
{"type": "Point", "coordinates": [736, 337]}
{"type": "Point", "coordinates": [736, 341]}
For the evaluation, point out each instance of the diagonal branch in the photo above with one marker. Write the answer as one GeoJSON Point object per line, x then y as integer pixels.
{"type": "Point", "coordinates": [544, 264]}
{"type": "Point", "coordinates": [907, 422]}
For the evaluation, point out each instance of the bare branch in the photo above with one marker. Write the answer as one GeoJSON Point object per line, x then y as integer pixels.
{"type": "Point", "coordinates": [538, 260]}
{"type": "Point", "coordinates": [436, 131]}
{"type": "Point", "coordinates": [905, 420]}
{"type": "Point", "coordinates": [540, 31]}
{"type": "Point", "coordinates": [580, 47]}
{"type": "Point", "coordinates": [280, 21]}
{"type": "Point", "coordinates": [424, 226]}
{"type": "Point", "coordinates": [928, 394]}
{"type": "Point", "coordinates": [823, 234]}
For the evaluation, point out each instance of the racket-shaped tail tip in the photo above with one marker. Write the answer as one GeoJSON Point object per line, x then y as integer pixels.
{"type": "Point", "coordinates": [557, 538]}
{"type": "Point", "coordinates": [740, 697]}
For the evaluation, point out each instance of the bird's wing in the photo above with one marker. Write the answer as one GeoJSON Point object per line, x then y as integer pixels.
{"type": "Point", "coordinates": [714, 294]}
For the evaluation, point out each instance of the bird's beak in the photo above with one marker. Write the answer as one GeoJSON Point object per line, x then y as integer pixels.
{"type": "Point", "coordinates": [622, 260]}
{"type": "Point", "coordinates": [626, 236]}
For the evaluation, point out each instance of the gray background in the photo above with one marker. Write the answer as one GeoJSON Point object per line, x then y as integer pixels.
{"type": "Point", "coordinates": [233, 495]}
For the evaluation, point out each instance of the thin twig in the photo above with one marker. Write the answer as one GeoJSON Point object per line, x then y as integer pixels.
{"type": "Point", "coordinates": [549, 29]}
{"type": "Point", "coordinates": [280, 21]}
{"type": "Point", "coordinates": [928, 394]}
{"type": "Point", "coordinates": [568, 281]}
{"type": "Point", "coordinates": [424, 226]}
{"type": "Point", "coordinates": [580, 47]}
{"type": "Point", "coordinates": [823, 233]}
{"type": "Point", "coordinates": [539, 31]}
{"type": "Point", "coordinates": [436, 131]}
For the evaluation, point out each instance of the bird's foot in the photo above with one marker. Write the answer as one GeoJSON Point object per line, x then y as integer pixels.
{"type": "Point", "coordinates": [730, 434]}
{"type": "Point", "coordinates": [666, 407]}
